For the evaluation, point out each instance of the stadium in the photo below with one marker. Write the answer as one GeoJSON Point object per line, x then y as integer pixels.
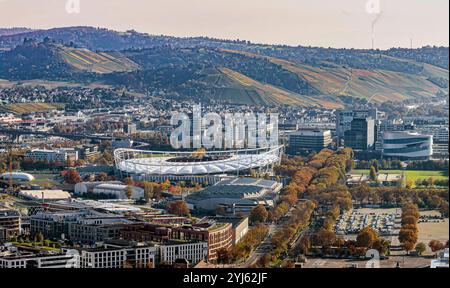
{"type": "Point", "coordinates": [194, 166]}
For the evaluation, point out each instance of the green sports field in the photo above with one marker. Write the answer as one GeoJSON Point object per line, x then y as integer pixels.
{"type": "Point", "coordinates": [412, 175]}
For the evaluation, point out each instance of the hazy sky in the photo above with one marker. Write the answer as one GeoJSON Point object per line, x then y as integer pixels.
{"type": "Point", "coordinates": [335, 23]}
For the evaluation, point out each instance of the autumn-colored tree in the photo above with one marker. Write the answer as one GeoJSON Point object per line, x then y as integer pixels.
{"type": "Point", "coordinates": [165, 185]}
{"type": "Point", "coordinates": [223, 256]}
{"type": "Point", "coordinates": [408, 236]}
{"type": "Point", "coordinates": [408, 246]}
{"type": "Point", "coordinates": [149, 189]}
{"type": "Point", "coordinates": [258, 214]}
{"type": "Point", "coordinates": [179, 208]}
{"type": "Point", "coordinates": [366, 237]}
{"type": "Point", "coordinates": [304, 244]}
{"type": "Point", "coordinates": [436, 245]}
{"type": "Point", "coordinates": [102, 176]}
{"type": "Point", "coordinates": [128, 181]}
{"type": "Point", "coordinates": [382, 245]}
{"type": "Point", "coordinates": [409, 219]}
{"type": "Point", "coordinates": [72, 177]}
{"type": "Point", "coordinates": [129, 192]}
{"type": "Point", "coordinates": [324, 237]}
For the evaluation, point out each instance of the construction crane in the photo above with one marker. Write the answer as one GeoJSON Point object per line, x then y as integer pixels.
{"type": "Point", "coordinates": [11, 155]}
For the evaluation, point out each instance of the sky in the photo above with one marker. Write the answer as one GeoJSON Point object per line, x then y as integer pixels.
{"type": "Point", "coordinates": [325, 23]}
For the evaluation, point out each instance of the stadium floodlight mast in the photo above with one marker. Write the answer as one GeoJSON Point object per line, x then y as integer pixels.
{"type": "Point", "coordinates": [234, 131]}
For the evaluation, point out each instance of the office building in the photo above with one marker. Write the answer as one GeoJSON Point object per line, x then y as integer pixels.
{"type": "Point", "coordinates": [119, 254]}
{"type": "Point", "coordinates": [24, 257]}
{"type": "Point", "coordinates": [10, 224]}
{"type": "Point", "coordinates": [218, 235]}
{"type": "Point", "coordinates": [305, 141]}
{"type": "Point", "coordinates": [361, 135]}
{"type": "Point", "coordinates": [61, 155]}
{"type": "Point", "coordinates": [407, 145]}
{"type": "Point", "coordinates": [344, 119]}
{"type": "Point", "coordinates": [192, 251]}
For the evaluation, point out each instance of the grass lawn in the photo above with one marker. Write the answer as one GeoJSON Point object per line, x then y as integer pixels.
{"type": "Point", "coordinates": [412, 175]}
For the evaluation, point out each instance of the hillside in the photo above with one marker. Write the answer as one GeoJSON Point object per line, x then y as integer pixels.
{"type": "Point", "coordinates": [52, 61]}
{"type": "Point", "coordinates": [205, 69]}
{"type": "Point", "coordinates": [375, 84]}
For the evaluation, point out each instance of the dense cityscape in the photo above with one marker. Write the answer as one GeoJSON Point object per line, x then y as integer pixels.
{"type": "Point", "coordinates": [336, 157]}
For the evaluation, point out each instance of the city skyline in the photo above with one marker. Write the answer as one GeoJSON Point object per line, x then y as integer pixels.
{"type": "Point", "coordinates": [347, 24]}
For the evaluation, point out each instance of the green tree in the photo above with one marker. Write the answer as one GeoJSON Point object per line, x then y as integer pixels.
{"type": "Point", "coordinates": [39, 238]}
{"type": "Point", "coordinates": [373, 173]}
{"type": "Point", "coordinates": [420, 248]}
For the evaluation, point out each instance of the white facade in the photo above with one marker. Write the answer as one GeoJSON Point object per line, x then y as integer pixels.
{"type": "Point", "coordinates": [193, 252]}
{"type": "Point", "coordinates": [17, 176]}
{"type": "Point", "coordinates": [68, 260]}
{"type": "Point", "coordinates": [119, 191]}
{"type": "Point", "coordinates": [407, 145]}
{"type": "Point", "coordinates": [111, 257]}
{"type": "Point", "coordinates": [52, 155]}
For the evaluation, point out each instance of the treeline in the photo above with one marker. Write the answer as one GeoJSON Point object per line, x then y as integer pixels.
{"type": "Point", "coordinates": [300, 219]}
{"type": "Point", "coordinates": [326, 243]}
{"type": "Point", "coordinates": [328, 188]}
{"type": "Point", "coordinates": [393, 164]}
{"type": "Point", "coordinates": [409, 233]}
{"type": "Point", "coordinates": [396, 196]}
{"type": "Point", "coordinates": [244, 247]}
{"type": "Point", "coordinates": [430, 182]}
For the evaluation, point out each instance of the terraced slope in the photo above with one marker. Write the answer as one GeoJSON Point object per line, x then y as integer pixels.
{"type": "Point", "coordinates": [376, 85]}
{"type": "Point", "coordinates": [238, 87]}
{"type": "Point", "coordinates": [102, 62]}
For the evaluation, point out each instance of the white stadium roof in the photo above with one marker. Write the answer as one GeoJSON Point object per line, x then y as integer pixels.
{"type": "Point", "coordinates": [141, 162]}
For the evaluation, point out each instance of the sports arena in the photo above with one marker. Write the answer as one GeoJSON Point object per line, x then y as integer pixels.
{"type": "Point", "coordinates": [195, 166]}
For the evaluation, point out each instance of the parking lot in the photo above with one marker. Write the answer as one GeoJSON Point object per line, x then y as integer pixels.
{"type": "Point", "coordinates": [384, 221]}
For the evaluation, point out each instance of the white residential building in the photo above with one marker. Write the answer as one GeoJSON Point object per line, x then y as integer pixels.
{"type": "Point", "coordinates": [61, 155]}
{"type": "Point", "coordinates": [110, 256]}
{"type": "Point", "coordinates": [193, 252]}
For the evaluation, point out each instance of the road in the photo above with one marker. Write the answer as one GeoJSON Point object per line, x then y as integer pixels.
{"type": "Point", "coordinates": [263, 248]}
{"type": "Point", "coordinates": [266, 245]}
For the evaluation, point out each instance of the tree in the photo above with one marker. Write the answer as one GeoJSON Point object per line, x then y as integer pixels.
{"type": "Point", "coordinates": [39, 237]}
{"type": "Point", "coordinates": [382, 245]}
{"type": "Point", "coordinates": [408, 236]}
{"type": "Point", "coordinates": [373, 173]}
{"type": "Point", "coordinates": [129, 192]}
{"type": "Point", "coordinates": [72, 177]}
{"type": "Point", "coordinates": [258, 214]}
{"type": "Point", "coordinates": [223, 256]}
{"type": "Point", "coordinates": [128, 181]}
{"type": "Point", "coordinates": [408, 246]}
{"type": "Point", "coordinates": [436, 245]}
{"type": "Point", "coordinates": [409, 219]}
{"type": "Point", "coordinates": [324, 237]}
{"type": "Point", "coordinates": [420, 248]}
{"type": "Point", "coordinates": [148, 191]}
{"type": "Point", "coordinates": [304, 245]}
{"type": "Point", "coordinates": [102, 176]}
{"type": "Point", "coordinates": [179, 208]}
{"type": "Point", "coordinates": [366, 237]}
